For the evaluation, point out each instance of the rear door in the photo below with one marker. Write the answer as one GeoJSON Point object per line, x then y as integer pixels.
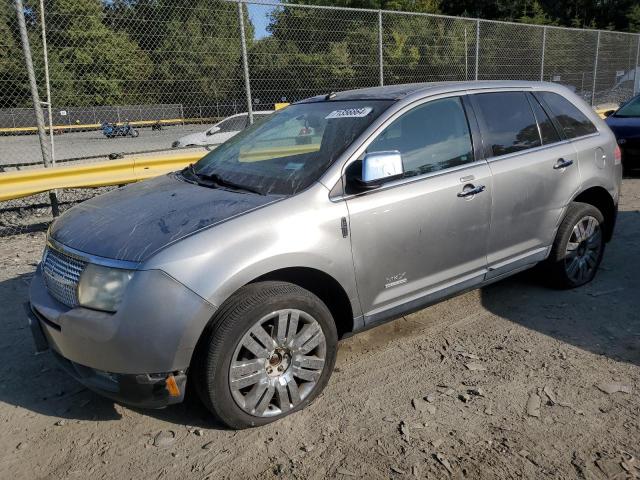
{"type": "Point", "coordinates": [534, 174]}
{"type": "Point", "coordinates": [595, 154]}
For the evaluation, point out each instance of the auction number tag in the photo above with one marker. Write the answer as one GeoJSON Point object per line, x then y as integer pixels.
{"type": "Point", "coordinates": [349, 113]}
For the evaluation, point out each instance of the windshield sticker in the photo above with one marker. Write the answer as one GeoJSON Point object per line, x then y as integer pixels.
{"type": "Point", "coordinates": [349, 113]}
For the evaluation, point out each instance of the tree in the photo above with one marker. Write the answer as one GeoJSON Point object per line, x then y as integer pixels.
{"type": "Point", "coordinates": [634, 19]}
{"type": "Point", "coordinates": [194, 47]}
{"type": "Point", "coordinates": [14, 86]}
{"type": "Point", "coordinates": [537, 16]}
{"type": "Point", "coordinates": [90, 63]}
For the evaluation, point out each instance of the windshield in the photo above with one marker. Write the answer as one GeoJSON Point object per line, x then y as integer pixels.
{"type": "Point", "coordinates": [287, 151]}
{"type": "Point", "coordinates": [631, 109]}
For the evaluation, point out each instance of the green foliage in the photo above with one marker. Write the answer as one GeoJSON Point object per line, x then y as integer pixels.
{"type": "Point", "coordinates": [634, 19]}
{"type": "Point", "coordinates": [106, 52]}
{"type": "Point", "coordinates": [14, 89]}
{"type": "Point", "coordinates": [91, 64]}
{"type": "Point", "coordinates": [537, 16]}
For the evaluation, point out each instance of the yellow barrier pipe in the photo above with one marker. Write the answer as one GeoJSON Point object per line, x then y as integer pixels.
{"type": "Point", "coordinates": [116, 172]}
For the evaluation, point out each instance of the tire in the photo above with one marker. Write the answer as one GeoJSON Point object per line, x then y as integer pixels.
{"type": "Point", "coordinates": [578, 247]}
{"type": "Point", "coordinates": [135, 133]}
{"type": "Point", "coordinates": [266, 336]}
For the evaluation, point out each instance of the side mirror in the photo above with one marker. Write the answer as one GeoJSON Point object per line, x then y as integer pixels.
{"type": "Point", "coordinates": [378, 166]}
{"type": "Point", "coordinates": [608, 113]}
{"type": "Point", "coordinates": [212, 130]}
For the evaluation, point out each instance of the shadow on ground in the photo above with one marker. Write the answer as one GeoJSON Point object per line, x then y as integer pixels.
{"type": "Point", "coordinates": [602, 317]}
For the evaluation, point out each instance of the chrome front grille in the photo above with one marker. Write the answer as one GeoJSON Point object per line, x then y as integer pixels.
{"type": "Point", "coordinates": [61, 274]}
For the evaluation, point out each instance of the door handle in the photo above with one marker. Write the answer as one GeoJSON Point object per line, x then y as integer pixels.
{"type": "Point", "coordinates": [470, 190]}
{"type": "Point", "coordinates": [562, 163]}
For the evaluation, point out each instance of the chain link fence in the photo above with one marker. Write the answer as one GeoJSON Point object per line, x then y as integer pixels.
{"type": "Point", "coordinates": [172, 68]}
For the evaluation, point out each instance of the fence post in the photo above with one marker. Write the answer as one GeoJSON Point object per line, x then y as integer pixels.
{"type": "Point", "coordinates": [37, 106]}
{"type": "Point", "coordinates": [477, 45]}
{"type": "Point", "coordinates": [595, 71]}
{"type": "Point", "coordinates": [636, 84]}
{"type": "Point", "coordinates": [544, 45]}
{"type": "Point", "coordinates": [245, 62]}
{"type": "Point", "coordinates": [47, 81]}
{"type": "Point", "coordinates": [466, 55]}
{"type": "Point", "coordinates": [380, 51]}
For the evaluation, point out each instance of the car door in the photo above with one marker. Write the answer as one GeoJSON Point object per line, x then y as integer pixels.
{"type": "Point", "coordinates": [423, 236]}
{"type": "Point", "coordinates": [534, 175]}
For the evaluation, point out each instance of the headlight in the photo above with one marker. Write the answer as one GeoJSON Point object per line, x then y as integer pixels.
{"type": "Point", "coordinates": [102, 288]}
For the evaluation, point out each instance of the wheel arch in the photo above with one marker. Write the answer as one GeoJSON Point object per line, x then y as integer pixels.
{"type": "Point", "coordinates": [324, 286]}
{"type": "Point", "coordinates": [600, 198]}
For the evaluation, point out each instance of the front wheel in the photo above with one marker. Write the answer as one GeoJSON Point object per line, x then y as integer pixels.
{"type": "Point", "coordinates": [578, 248]}
{"type": "Point", "coordinates": [134, 133]}
{"type": "Point", "coordinates": [268, 352]}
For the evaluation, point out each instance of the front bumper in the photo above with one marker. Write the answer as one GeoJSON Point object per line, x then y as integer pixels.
{"type": "Point", "coordinates": [155, 331]}
{"type": "Point", "coordinates": [141, 390]}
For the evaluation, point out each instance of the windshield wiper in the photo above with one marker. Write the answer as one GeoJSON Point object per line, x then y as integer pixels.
{"type": "Point", "coordinates": [220, 181]}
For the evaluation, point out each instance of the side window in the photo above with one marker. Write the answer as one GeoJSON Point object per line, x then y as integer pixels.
{"type": "Point", "coordinates": [431, 137]}
{"type": "Point", "coordinates": [509, 121]}
{"type": "Point", "coordinates": [547, 130]}
{"type": "Point", "coordinates": [233, 124]}
{"type": "Point", "coordinates": [574, 123]}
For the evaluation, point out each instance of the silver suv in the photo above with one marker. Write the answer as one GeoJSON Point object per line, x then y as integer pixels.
{"type": "Point", "coordinates": [240, 273]}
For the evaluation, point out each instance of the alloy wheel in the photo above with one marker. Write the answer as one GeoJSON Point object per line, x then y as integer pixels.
{"type": "Point", "coordinates": [277, 363]}
{"type": "Point", "coordinates": [583, 250]}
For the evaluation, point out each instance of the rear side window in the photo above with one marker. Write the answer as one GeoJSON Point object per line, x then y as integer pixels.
{"type": "Point", "coordinates": [574, 123]}
{"type": "Point", "coordinates": [509, 122]}
{"type": "Point", "coordinates": [547, 130]}
{"type": "Point", "coordinates": [432, 136]}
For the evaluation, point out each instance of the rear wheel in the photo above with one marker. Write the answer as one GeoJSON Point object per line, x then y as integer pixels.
{"type": "Point", "coordinates": [269, 352]}
{"type": "Point", "coordinates": [578, 248]}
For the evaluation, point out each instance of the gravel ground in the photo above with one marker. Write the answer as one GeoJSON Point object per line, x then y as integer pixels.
{"type": "Point", "coordinates": [26, 148]}
{"type": "Point", "coordinates": [510, 381]}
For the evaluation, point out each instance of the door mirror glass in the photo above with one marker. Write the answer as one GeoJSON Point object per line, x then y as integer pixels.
{"type": "Point", "coordinates": [378, 166]}
{"type": "Point", "coordinates": [213, 130]}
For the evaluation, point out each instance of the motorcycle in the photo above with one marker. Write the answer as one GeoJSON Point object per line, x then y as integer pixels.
{"type": "Point", "coordinates": [111, 130]}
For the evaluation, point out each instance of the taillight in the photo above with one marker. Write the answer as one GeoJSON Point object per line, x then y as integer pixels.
{"type": "Point", "coordinates": [617, 156]}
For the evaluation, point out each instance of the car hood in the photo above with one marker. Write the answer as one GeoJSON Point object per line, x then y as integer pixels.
{"type": "Point", "coordinates": [624, 127]}
{"type": "Point", "coordinates": [133, 222]}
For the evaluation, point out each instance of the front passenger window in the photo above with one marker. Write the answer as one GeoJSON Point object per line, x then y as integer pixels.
{"type": "Point", "coordinates": [433, 136]}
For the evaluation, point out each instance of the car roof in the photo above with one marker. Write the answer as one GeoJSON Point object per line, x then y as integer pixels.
{"type": "Point", "coordinates": [398, 92]}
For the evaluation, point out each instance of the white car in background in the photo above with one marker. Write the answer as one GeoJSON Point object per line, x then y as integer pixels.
{"type": "Point", "coordinates": [221, 131]}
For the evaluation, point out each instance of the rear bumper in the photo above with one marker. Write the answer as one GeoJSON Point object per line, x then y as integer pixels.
{"type": "Point", "coordinates": [140, 390]}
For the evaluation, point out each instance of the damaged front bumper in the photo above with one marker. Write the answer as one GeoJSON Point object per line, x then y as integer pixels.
{"type": "Point", "coordinates": [139, 390]}
{"type": "Point", "coordinates": [155, 332]}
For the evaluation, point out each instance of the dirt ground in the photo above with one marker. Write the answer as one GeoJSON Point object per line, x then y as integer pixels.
{"type": "Point", "coordinates": [510, 374]}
